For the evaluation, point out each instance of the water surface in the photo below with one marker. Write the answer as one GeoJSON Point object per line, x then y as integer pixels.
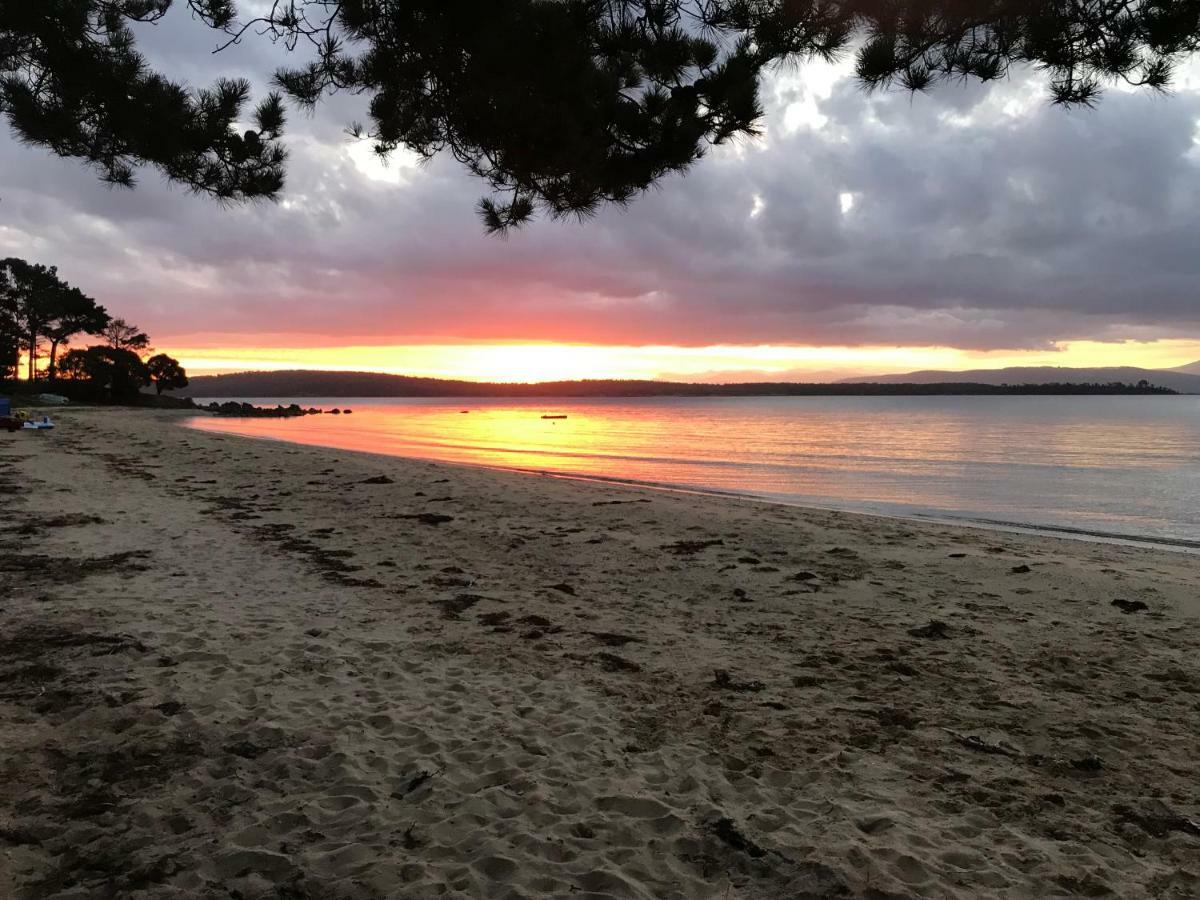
{"type": "Point", "coordinates": [1120, 465]}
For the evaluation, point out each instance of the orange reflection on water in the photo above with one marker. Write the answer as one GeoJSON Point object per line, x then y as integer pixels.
{"type": "Point", "coordinates": [1129, 464]}
{"type": "Point", "coordinates": [641, 442]}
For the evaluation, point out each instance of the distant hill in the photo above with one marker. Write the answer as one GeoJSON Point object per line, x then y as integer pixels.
{"type": "Point", "coordinates": [1185, 379]}
{"type": "Point", "coordinates": [307, 383]}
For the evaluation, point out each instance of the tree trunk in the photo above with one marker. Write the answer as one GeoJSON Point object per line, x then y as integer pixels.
{"type": "Point", "coordinates": [53, 371]}
{"type": "Point", "coordinates": [32, 353]}
{"type": "Point", "coordinates": [158, 387]}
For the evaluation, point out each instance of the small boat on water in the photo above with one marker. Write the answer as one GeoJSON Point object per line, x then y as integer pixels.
{"type": "Point", "coordinates": [40, 425]}
{"type": "Point", "coordinates": [554, 417]}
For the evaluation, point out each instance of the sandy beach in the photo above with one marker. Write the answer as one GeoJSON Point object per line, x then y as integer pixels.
{"type": "Point", "coordinates": [237, 668]}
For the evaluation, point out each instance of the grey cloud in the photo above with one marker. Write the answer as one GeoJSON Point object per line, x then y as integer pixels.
{"type": "Point", "coordinates": [1012, 232]}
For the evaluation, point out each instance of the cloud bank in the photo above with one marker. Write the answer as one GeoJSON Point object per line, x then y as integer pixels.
{"type": "Point", "coordinates": [977, 217]}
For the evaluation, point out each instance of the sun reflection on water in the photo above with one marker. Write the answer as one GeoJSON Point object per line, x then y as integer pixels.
{"type": "Point", "coordinates": [1124, 463]}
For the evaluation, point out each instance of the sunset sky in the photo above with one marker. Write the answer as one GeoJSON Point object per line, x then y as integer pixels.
{"type": "Point", "coordinates": [863, 233]}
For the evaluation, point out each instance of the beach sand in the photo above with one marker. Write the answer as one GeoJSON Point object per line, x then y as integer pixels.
{"type": "Point", "coordinates": [236, 668]}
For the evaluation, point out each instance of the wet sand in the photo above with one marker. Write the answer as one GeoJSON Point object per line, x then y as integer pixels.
{"type": "Point", "coordinates": [235, 668]}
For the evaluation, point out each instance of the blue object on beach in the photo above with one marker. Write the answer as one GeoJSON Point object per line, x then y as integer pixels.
{"type": "Point", "coordinates": [5, 406]}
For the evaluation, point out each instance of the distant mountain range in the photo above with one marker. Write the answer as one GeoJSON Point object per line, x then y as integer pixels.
{"type": "Point", "coordinates": [1184, 379]}
{"type": "Point", "coordinates": [314, 384]}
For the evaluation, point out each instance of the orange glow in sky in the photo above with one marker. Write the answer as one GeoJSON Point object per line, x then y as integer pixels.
{"type": "Point", "coordinates": [515, 362]}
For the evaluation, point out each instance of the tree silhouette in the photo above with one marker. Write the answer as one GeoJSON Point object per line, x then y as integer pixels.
{"type": "Point", "coordinates": [10, 333]}
{"type": "Point", "coordinates": [120, 335]}
{"type": "Point", "coordinates": [25, 285]}
{"type": "Point", "coordinates": [110, 373]}
{"type": "Point", "coordinates": [40, 305]}
{"type": "Point", "coordinates": [73, 365]}
{"type": "Point", "coordinates": [166, 373]}
{"type": "Point", "coordinates": [73, 81]}
{"type": "Point", "coordinates": [76, 313]}
{"type": "Point", "coordinates": [560, 106]}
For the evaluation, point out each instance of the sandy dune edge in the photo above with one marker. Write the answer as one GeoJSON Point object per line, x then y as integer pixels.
{"type": "Point", "coordinates": [238, 668]}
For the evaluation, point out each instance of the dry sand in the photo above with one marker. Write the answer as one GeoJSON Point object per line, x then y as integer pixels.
{"type": "Point", "coordinates": [232, 668]}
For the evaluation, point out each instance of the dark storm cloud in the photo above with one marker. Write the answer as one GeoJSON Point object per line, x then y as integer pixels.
{"type": "Point", "coordinates": [967, 226]}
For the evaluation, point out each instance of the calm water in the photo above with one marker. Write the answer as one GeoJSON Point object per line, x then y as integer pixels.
{"type": "Point", "coordinates": [1119, 465]}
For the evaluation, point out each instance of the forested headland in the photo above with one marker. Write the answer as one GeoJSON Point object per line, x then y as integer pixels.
{"type": "Point", "coordinates": [308, 383]}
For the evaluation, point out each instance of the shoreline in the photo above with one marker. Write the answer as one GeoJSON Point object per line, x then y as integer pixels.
{"type": "Point", "coordinates": [263, 667]}
{"type": "Point", "coordinates": [984, 523]}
